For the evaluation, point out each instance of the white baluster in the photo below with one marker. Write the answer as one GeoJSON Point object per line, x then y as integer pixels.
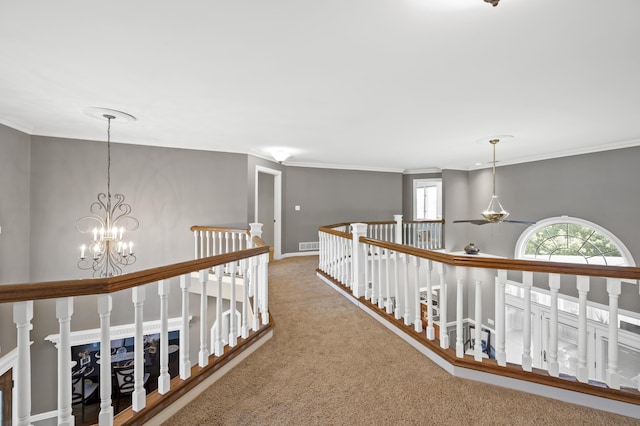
{"type": "Point", "coordinates": [582, 373]}
{"type": "Point", "coordinates": [185, 362]}
{"type": "Point", "coordinates": [203, 355]}
{"type": "Point", "coordinates": [613, 377]}
{"type": "Point", "coordinates": [387, 258]}
{"type": "Point", "coordinates": [379, 252]}
{"type": "Point", "coordinates": [22, 316]}
{"type": "Point", "coordinates": [501, 309]}
{"type": "Point", "coordinates": [201, 251]}
{"type": "Point", "coordinates": [397, 307]}
{"type": "Point", "coordinates": [527, 281]}
{"type": "Point", "coordinates": [218, 344]}
{"type": "Point", "coordinates": [105, 417]}
{"type": "Point", "coordinates": [442, 302]}
{"type": "Point", "coordinates": [372, 274]}
{"type": "Point", "coordinates": [263, 283]}
{"type": "Point", "coordinates": [460, 276]}
{"type": "Point", "coordinates": [195, 237]}
{"type": "Point", "coordinates": [254, 285]}
{"type": "Point", "coordinates": [477, 348]}
{"type": "Point", "coordinates": [139, 395]}
{"type": "Point", "coordinates": [430, 329]}
{"type": "Point", "coordinates": [366, 271]}
{"type": "Point", "coordinates": [245, 298]}
{"type": "Point", "coordinates": [164, 378]}
{"type": "Point", "coordinates": [64, 310]}
{"type": "Point", "coordinates": [407, 293]}
{"type": "Point", "coordinates": [552, 362]}
{"type": "Point", "coordinates": [233, 321]}
{"type": "Point", "coordinates": [220, 236]}
{"type": "Point", "coordinates": [208, 240]}
{"type": "Point", "coordinates": [417, 321]}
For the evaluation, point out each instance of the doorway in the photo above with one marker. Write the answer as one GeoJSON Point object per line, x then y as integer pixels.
{"type": "Point", "coordinates": [268, 206]}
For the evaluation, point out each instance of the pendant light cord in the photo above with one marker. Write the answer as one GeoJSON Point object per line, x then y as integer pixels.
{"type": "Point", "coordinates": [109, 118]}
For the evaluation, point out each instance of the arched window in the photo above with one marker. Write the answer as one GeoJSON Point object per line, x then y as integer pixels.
{"type": "Point", "coordinates": [572, 240]}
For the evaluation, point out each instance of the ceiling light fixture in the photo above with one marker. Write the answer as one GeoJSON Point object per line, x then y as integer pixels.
{"type": "Point", "coordinates": [494, 213]}
{"type": "Point", "coordinates": [108, 252]}
{"type": "Point", "coordinates": [280, 155]}
{"type": "Point", "coordinates": [494, 3]}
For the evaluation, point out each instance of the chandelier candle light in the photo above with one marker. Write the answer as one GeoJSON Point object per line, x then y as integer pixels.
{"type": "Point", "coordinates": [110, 218]}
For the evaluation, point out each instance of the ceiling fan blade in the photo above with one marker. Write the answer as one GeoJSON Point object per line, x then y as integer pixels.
{"type": "Point", "coordinates": [474, 221]}
{"type": "Point", "coordinates": [522, 222]}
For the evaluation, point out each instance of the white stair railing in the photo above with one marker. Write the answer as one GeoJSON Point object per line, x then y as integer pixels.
{"type": "Point", "coordinates": [242, 252]}
{"type": "Point", "coordinates": [381, 272]}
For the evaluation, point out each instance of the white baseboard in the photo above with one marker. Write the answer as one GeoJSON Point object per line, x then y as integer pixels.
{"type": "Point", "coordinates": [300, 253]}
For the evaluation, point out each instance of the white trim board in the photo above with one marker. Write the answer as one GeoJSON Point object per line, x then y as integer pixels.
{"type": "Point", "coordinates": [83, 337]}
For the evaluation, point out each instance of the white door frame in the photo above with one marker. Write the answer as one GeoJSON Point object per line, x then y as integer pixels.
{"type": "Point", "coordinates": [277, 207]}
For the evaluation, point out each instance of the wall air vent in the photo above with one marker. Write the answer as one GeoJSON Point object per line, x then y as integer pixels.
{"type": "Point", "coordinates": [311, 245]}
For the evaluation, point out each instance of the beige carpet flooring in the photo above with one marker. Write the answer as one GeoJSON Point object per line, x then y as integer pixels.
{"type": "Point", "coordinates": [329, 363]}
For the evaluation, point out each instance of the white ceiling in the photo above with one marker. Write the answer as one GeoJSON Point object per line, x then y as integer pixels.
{"type": "Point", "coordinates": [368, 84]}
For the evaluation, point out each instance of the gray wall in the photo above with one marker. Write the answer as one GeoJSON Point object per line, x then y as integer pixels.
{"type": "Point", "coordinates": [169, 191]}
{"type": "Point", "coordinates": [328, 196]}
{"type": "Point", "coordinates": [14, 207]}
{"type": "Point", "coordinates": [599, 187]}
{"type": "Point", "coordinates": [407, 191]}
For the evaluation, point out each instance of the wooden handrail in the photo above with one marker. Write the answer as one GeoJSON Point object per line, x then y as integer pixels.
{"type": "Point", "coordinates": [54, 289]}
{"type": "Point", "coordinates": [623, 272]}
{"type": "Point", "coordinates": [334, 232]}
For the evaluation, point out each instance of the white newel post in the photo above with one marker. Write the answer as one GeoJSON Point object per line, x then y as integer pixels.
{"type": "Point", "coordinates": [185, 362]}
{"type": "Point", "coordinates": [417, 321]}
{"type": "Point", "coordinates": [442, 302]}
{"type": "Point", "coordinates": [552, 362]}
{"type": "Point", "coordinates": [64, 310]}
{"type": "Point", "coordinates": [460, 277]}
{"type": "Point", "coordinates": [359, 259]}
{"type": "Point", "coordinates": [105, 303]}
{"type": "Point", "coordinates": [139, 395]}
{"type": "Point", "coordinates": [218, 344]}
{"type": "Point", "coordinates": [203, 354]}
{"type": "Point", "coordinates": [477, 348]}
{"type": "Point", "coordinates": [501, 309]}
{"type": "Point", "coordinates": [398, 227]}
{"type": "Point", "coordinates": [164, 379]}
{"type": "Point", "coordinates": [582, 373]}
{"type": "Point", "coordinates": [22, 316]}
{"type": "Point", "coordinates": [527, 362]}
{"type": "Point", "coordinates": [613, 377]}
{"type": "Point", "coordinates": [431, 334]}
{"type": "Point", "coordinates": [233, 320]}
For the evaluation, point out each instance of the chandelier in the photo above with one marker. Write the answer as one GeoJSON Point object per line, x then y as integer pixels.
{"type": "Point", "coordinates": [108, 251]}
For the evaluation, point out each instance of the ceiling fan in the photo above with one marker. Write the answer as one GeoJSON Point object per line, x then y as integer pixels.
{"type": "Point", "coordinates": [494, 213]}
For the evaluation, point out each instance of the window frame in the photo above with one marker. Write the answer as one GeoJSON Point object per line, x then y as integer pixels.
{"type": "Point", "coordinates": [541, 224]}
{"type": "Point", "coordinates": [424, 183]}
